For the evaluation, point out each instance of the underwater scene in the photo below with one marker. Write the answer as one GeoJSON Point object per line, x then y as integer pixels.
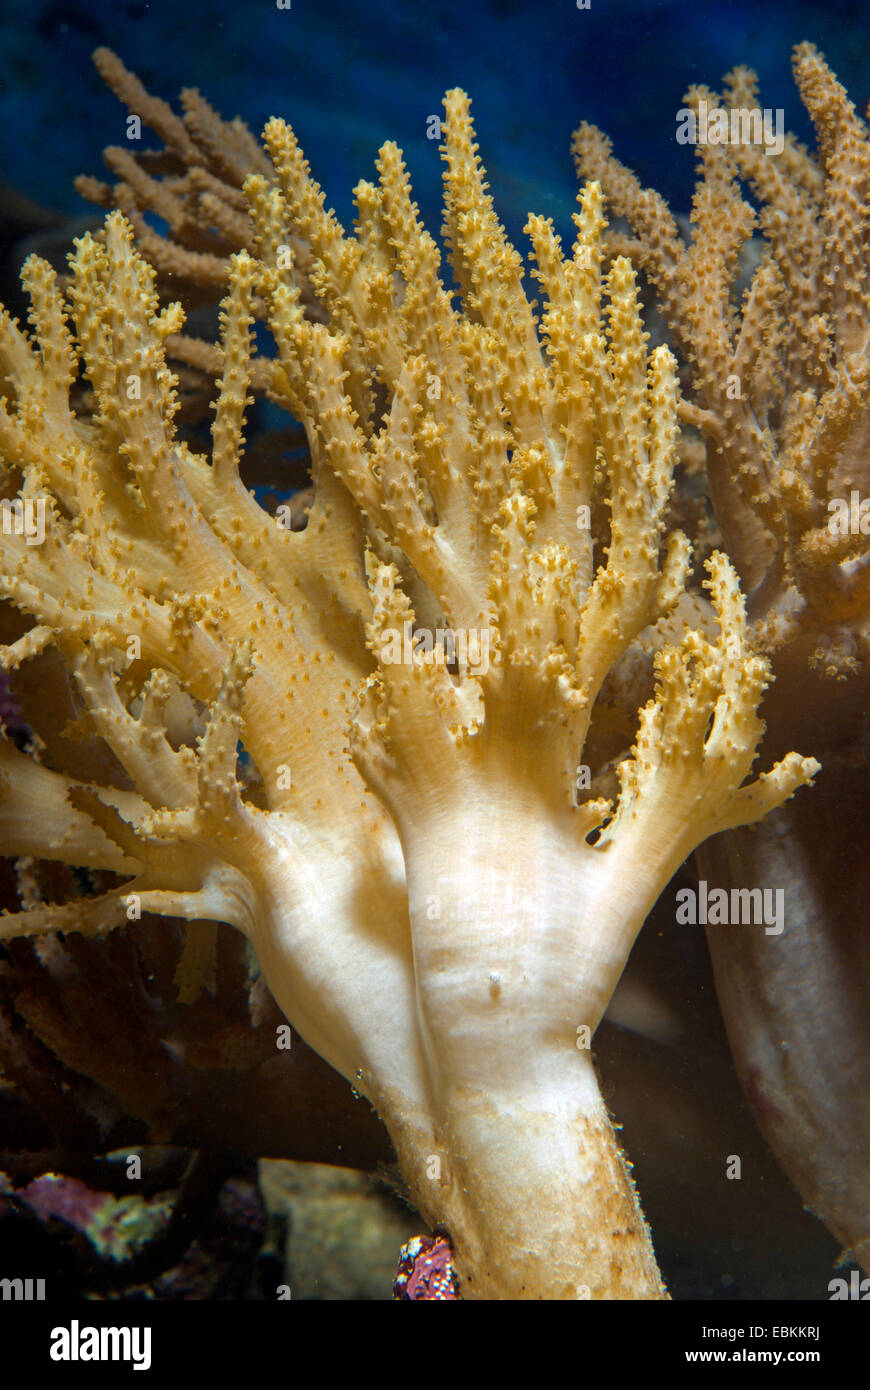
{"type": "Point", "coordinates": [434, 641]}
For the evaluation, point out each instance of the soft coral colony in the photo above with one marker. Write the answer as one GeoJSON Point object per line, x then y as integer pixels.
{"type": "Point", "coordinates": [441, 864]}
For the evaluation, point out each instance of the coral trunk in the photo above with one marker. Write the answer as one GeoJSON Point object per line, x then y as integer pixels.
{"type": "Point", "coordinates": [535, 1193]}
{"type": "Point", "coordinates": [509, 919]}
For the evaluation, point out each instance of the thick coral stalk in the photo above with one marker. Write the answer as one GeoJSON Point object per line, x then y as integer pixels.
{"type": "Point", "coordinates": [521, 930]}
{"type": "Point", "coordinates": [538, 1199]}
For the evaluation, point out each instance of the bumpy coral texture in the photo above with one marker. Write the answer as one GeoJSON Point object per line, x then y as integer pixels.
{"type": "Point", "coordinates": [439, 878]}
{"type": "Point", "coordinates": [780, 381]}
{"type": "Point", "coordinates": [779, 395]}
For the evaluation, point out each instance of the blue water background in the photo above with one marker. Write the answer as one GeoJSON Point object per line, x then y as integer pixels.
{"type": "Point", "coordinates": [350, 75]}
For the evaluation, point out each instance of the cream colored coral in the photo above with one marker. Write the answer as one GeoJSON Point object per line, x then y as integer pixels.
{"type": "Point", "coordinates": [780, 381]}
{"type": "Point", "coordinates": [435, 905]}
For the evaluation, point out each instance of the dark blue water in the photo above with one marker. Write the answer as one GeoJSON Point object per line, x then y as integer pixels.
{"type": "Point", "coordinates": [350, 75]}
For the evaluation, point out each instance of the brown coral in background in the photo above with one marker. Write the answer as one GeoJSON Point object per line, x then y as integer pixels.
{"type": "Point", "coordinates": [193, 184]}
{"type": "Point", "coordinates": [780, 382]}
{"type": "Point", "coordinates": [781, 393]}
